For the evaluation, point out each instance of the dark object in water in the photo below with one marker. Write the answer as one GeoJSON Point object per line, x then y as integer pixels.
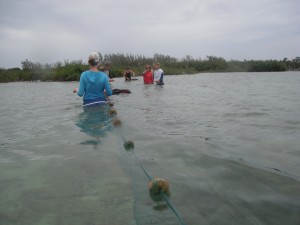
{"type": "Point", "coordinates": [112, 112]}
{"type": "Point", "coordinates": [117, 123]}
{"type": "Point", "coordinates": [91, 142]}
{"type": "Point", "coordinates": [129, 145]}
{"type": "Point", "coordinates": [119, 91]}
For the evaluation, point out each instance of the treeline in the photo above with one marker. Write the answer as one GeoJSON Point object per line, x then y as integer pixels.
{"type": "Point", "coordinates": [70, 71]}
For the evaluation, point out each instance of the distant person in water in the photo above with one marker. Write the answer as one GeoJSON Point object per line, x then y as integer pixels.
{"type": "Point", "coordinates": [128, 73]}
{"type": "Point", "coordinates": [148, 75]}
{"type": "Point", "coordinates": [158, 74]}
{"type": "Point", "coordinates": [93, 84]}
{"type": "Point", "coordinates": [106, 70]}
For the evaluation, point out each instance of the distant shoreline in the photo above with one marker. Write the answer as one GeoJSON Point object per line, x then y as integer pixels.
{"type": "Point", "coordinates": [70, 71]}
{"type": "Point", "coordinates": [45, 81]}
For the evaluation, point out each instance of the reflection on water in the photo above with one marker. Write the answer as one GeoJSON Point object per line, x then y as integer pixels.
{"type": "Point", "coordinates": [227, 143]}
{"type": "Point", "coordinates": [95, 122]}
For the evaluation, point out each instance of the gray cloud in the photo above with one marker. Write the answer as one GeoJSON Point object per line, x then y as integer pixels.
{"type": "Point", "coordinates": [50, 31]}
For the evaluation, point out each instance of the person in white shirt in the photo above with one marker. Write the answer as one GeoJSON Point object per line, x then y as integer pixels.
{"type": "Point", "coordinates": [158, 74]}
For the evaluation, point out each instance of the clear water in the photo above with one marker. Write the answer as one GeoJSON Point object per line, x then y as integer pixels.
{"type": "Point", "coordinates": [229, 144]}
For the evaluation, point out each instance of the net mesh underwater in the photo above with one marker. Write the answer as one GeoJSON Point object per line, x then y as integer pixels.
{"type": "Point", "coordinates": [148, 208]}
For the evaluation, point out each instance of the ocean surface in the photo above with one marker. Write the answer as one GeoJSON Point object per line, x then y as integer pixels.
{"type": "Point", "coordinates": [228, 143]}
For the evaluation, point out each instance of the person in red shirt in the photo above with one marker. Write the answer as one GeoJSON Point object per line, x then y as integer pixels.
{"type": "Point", "coordinates": [148, 75]}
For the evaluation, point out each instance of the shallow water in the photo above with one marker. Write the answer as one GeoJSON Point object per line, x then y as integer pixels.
{"type": "Point", "coordinates": [227, 143]}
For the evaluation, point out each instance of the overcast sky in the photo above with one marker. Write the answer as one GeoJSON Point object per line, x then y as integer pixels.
{"type": "Point", "coordinates": [58, 30]}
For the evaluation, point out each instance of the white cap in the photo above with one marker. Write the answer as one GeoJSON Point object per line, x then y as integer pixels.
{"type": "Point", "coordinates": [95, 56]}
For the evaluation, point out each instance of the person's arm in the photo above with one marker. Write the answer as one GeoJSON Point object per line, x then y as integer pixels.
{"type": "Point", "coordinates": [152, 76]}
{"type": "Point", "coordinates": [107, 87]}
{"type": "Point", "coordinates": [133, 74]}
{"type": "Point", "coordinates": [81, 90]}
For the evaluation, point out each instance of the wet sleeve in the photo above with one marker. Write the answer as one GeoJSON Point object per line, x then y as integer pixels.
{"type": "Point", "coordinates": [107, 87]}
{"type": "Point", "coordinates": [81, 87]}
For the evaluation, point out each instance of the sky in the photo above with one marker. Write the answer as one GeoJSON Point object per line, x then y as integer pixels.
{"type": "Point", "coordinates": [57, 30]}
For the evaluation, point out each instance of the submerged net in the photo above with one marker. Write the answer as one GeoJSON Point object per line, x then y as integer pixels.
{"type": "Point", "coordinates": [147, 210]}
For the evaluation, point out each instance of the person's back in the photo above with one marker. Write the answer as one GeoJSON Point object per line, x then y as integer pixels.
{"type": "Point", "coordinates": [93, 83]}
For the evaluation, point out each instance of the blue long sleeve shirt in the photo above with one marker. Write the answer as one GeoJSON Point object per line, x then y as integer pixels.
{"type": "Point", "coordinates": [93, 84]}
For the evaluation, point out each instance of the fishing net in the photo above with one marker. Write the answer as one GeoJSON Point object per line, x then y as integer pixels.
{"type": "Point", "coordinates": [147, 209]}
